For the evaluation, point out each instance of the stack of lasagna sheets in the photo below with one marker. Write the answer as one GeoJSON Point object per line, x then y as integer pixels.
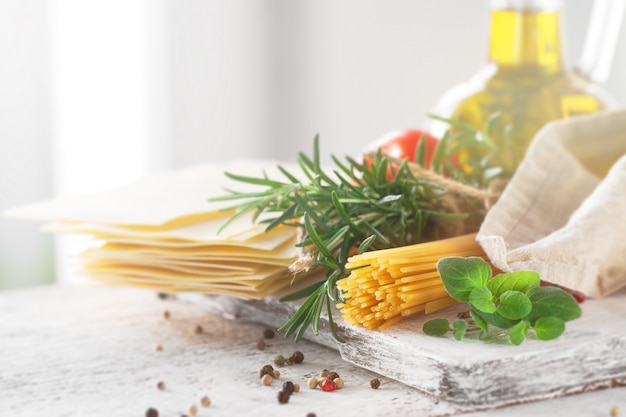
{"type": "Point", "coordinates": [163, 233]}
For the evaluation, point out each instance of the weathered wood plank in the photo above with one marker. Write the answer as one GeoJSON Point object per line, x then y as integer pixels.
{"type": "Point", "coordinates": [472, 374]}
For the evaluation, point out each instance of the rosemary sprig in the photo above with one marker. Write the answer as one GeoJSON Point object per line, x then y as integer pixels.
{"type": "Point", "coordinates": [361, 206]}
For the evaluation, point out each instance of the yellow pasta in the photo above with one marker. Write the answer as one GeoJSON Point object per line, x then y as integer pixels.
{"type": "Point", "coordinates": [388, 285]}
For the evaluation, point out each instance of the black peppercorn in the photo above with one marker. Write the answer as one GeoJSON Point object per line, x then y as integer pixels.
{"type": "Point", "coordinates": [311, 415]}
{"type": "Point", "coordinates": [288, 387]}
{"type": "Point", "coordinates": [152, 412]}
{"type": "Point", "coordinates": [332, 375]}
{"type": "Point", "coordinates": [283, 397]}
{"type": "Point", "coordinates": [268, 333]}
{"type": "Point", "coordinates": [266, 370]}
{"type": "Point", "coordinates": [375, 383]}
{"type": "Point", "coordinates": [297, 356]}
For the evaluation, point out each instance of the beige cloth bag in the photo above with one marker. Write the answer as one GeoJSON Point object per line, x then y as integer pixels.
{"type": "Point", "coordinates": [564, 212]}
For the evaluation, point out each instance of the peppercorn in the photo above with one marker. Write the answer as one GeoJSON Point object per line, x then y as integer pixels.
{"type": "Point", "coordinates": [160, 385]}
{"type": "Point", "coordinates": [311, 415]}
{"type": "Point", "coordinates": [289, 360]}
{"type": "Point", "coordinates": [283, 397]}
{"type": "Point", "coordinates": [158, 348]}
{"type": "Point", "coordinates": [197, 329]}
{"type": "Point", "coordinates": [152, 412]}
{"type": "Point", "coordinates": [163, 296]}
{"type": "Point", "coordinates": [266, 370]}
{"type": "Point", "coordinates": [279, 360]}
{"type": "Point", "coordinates": [375, 383]}
{"type": "Point", "coordinates": [260, 344]}
{"type": "Point", "coordinates": [276, 374]}
{"type": "Point", "coordinates": [332, 375]}
{"type": "Point", "coordinates": [296, 388]}
{"type": "Point", "coordinates": [328, 385]}
{"type": "Point", "coordinates": [267, 379]}
{"type": "Point", "coordinates": [268, 333]}
{"type": "Point", "coordinates": [614, 411]}
{"type": "Point", "coordinates": [193, 409]}
{"type": "Point", "coordinates": [166, 314]}
{"type": "Point", "coordinates": [205, 401]}
{"type": "Point", "coordinates": [288, 387]}
{"type": "Point", "coordinates": [297, 356]}
{"type": "Point", "coordinates": [324, 373]}
{"type": "Point", "coordinates": [312, 382]}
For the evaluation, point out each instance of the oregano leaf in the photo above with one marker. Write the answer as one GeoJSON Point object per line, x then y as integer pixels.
{"type": "Point", "coordinates": [482, 300]}
{"type": "Point", "coordinates": [548, 328]}
{"type": "Point", "coordinates": [461, 275]}
{"type": "Point", "coordinates": [460, 327]}
{"type": "Point", "coordinates": [517, 281]}
{"type": "Point", "coordinates": [514, 305]}
{"type": "Point", "coordinates": [495, 319]}
{"type": "Point", "coordinates": [436, 327]}
{"type": "Point", "coordinates": [518, 333]}
{"type": "Point", "coordinates": [552, 302]}
{"type": "Point", "coordinates": [480, 322]}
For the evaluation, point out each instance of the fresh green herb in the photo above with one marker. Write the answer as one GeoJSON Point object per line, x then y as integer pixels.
{"type": "Point", "coordinates": [364, 206]}
{"type": "Point", "coordinates": [513, 301]}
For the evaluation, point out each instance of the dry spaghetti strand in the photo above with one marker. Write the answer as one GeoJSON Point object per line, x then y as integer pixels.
{"type": "Point", "coordinates": [388, 285]}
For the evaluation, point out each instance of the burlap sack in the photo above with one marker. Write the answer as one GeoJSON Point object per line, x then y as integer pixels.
{"type": "Point", "coordinates": [564, 212]}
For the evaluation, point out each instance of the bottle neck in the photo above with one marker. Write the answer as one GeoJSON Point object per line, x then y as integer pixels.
{"type": "Point", "coordinates": [526, 36]}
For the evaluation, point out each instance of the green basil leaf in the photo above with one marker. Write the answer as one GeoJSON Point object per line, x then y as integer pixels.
{"type": "Point", "coordinates": [552, 302]}
{"type": "Point", "coordinates": [460, 327]}
{"type": "Point", "coordinates": [516, 281]}
{"type": "Point", "coordinates": [548, 328]}
{"type": "Point", "coordinates": [436, 327]}
{"type": "Point", "coordinates": [518, 333]}
{"type": "Point", "coordinates": [461, 275]}
{"type": "Point", "coordinates": [482, 300]}
{"type": "Point", "coordinates": [514, 305]}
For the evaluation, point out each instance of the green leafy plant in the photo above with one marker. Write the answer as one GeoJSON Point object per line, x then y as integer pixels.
{"type": "Point", "coordinates": [515, 301]}
{"type": "Point", "coordinates": [360, 206]}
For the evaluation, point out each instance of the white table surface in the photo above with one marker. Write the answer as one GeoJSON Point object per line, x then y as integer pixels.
{"type": "Point", "coordinates": [89, 351]}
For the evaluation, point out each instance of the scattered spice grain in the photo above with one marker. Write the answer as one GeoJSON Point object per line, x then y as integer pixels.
{"type": "Point", "coordinates": [283, 397]}
{"type": "Point", "coordinates": [324, 373]}
{"type": "Point", "coordinates": [193, 409]}
{"type": "Point", "coordinates": [297, 356]}
{"type": "Point", "coordinates": [339, 382]}
{"type": "Point", "coordinates": [205, 401]}
{"type": "Point", "coordinates": [268, 333]}
{"type": "Point", "coordinates": [267, 379]}
{"type": "Point", "coordinates": [266, 370]}
{"type": "Point", "coordinates": [296, 388]}
{"type": "Point", "coordinates": [375, 383]}
{"type": "Point", "coordinates": [288, 387]}
{"type": "Point", "coordinates": [260, 344]}
{"type": "Point", "coordinates": [332, 375]}
{"type": "Point", "coordinates": [152, 412]}
{"type": "Point", "coordinates": [276, 374]}
{"type": "Point", "coordinates": [158, 348]}
{"type": "Point", "coordinates": [614, 411]}
{"type": "Point", "coordinates": [160, 385]}
{"type": "Point", "coordinates": [312, 382]}
{"type": "Point", "coordinates": [197, 329]}
{"type": "Point", "coordinates": [328, 385]}
{"type": "Point", "coordinates": [289, 360]}
{"type": "Point", "coordinates": [279, 360]}
{"type": "Point", "coordinates": [166, 314]}
{"type": "Point", "coordinates": [311, 415]}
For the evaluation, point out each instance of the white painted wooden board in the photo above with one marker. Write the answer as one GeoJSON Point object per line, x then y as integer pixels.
{"type": "Point", "coordinates": [471, 374]}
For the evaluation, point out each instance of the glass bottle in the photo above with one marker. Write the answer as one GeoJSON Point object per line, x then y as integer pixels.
{"type": "Point", "coordinates": [525, 81]}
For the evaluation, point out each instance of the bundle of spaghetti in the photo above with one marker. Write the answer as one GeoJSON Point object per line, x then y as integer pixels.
{"type": "Point", "coordinates": [387, 285]}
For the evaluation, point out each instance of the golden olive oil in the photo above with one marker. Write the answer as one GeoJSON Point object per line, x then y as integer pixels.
{"type": "Point", "coordinates": [525, 82]}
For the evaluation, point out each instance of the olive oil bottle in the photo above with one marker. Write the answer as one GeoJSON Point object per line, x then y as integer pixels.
{"type": "Point", "coordinates": [525, 81]}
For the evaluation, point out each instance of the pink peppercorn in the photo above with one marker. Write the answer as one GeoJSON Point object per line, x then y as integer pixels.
{"type": "Point", "coordinates": [329, 385]}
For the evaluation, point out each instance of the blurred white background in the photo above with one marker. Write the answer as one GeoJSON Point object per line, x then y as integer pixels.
{"type": "Point", "coordinates": [95, 94]}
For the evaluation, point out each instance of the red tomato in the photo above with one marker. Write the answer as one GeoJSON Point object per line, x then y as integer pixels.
{"type": "Point", "coordinates": [403, 143]}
